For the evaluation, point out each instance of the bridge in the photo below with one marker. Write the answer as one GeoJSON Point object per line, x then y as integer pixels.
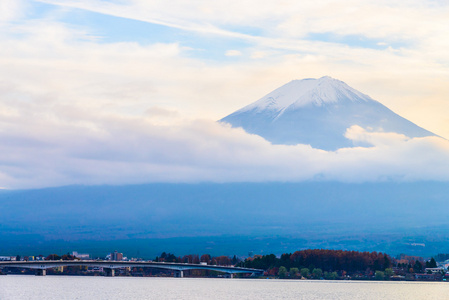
{"type": "Point", "coordinates": [110, 266]}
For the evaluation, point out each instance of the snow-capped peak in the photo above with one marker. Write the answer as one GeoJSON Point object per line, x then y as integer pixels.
{"type": "Point", "coordinates": [318, 112]}
{"type": "Point", "coordinates": [308, 91]}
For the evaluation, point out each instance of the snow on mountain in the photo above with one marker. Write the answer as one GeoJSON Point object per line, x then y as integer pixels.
{"type": "Point", "coordinates": [299, 93]}
{"type": "Point", "coordinates": [318, 112]}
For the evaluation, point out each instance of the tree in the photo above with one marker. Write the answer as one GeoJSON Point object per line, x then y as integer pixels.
{"type": "Point", "coordinates": [417, 267]}
{"type": "Point", "coordinates": [196, 259]}
{"type": "Point", "coordinates": [388, 273]}
{"type": "Point", "coordinates": [53, 257]}
{"type": "Point", "coordinates": [330, 275]}
{"type": "Point", "coordinates": [168, 257]}
{"type": "Point", "coordinates": [317, 273]}
{"type": "Point", "coordinates": [379, 275]}
{"type": "Point", "coordinates": [67, 257]}
{"type": "Point", "coordinates": [282, 272]}
{"type": "Point", "coordinates": [223, 260]}
{"type": "Point", "coordinates": [205, 258]}
{"type": "Point", "coordinates": [285, 260]}
{"type": "Point", "coordinates": [432, 263]}
{"type": "Point", "coordinates": [294, 272]}
{"type": "Point", "coordinates": [387, 262]}
{"type": "Point", "coordinates": [305, 272]}
{"type": "Point", "coordinates": [333, 275]}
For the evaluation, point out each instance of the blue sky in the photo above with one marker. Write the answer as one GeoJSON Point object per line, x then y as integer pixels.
{"type": "Point", "coordinates": [112, 29]}
{"type": "Point", "coordinates": [77, 75]}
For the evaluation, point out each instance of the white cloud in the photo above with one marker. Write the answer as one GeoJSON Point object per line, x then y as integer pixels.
{"type": "Point", "coordinates": [73, 110]}
{"type": "Point", "coordinates": [359, 134]}
{"type": "Point", "coordinates": [258, 54]}
{"type": "Point", "coordinates": [233, 53]}
{"type": "Point", "coordinates": [117, 150]}
{"type": "Point", "coordinates": [11, 10]}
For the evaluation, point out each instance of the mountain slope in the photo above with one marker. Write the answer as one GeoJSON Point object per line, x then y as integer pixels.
{"type": "Point", "coordinates": [318, 112]}
{"type": "Point", "coordinates": [285, 216]}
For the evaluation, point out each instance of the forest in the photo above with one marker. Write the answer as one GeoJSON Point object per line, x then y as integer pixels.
{"type": "Point", "coordinates": [326, 260]}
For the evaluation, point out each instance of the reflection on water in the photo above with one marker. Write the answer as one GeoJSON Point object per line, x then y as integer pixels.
{"type": "Point", "coordinates": [73, 287]}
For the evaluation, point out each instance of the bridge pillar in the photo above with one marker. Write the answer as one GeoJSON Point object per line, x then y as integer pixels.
{"type": "Point", "coordinates": [179, 273]}
{"type": "Point", "coordinates": [229, 275]}
{"type": "Point", "coordinates": [41, 272]}
{"type": "Point", "coordinates": [109, 272]}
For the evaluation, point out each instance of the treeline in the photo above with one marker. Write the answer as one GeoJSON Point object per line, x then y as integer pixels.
{"type": "Point", "coordinates": [322, 260]}
{"type": "Point", "coordinates": [196, 259]}
{"type": "Point", "coordinates": [63, 257]}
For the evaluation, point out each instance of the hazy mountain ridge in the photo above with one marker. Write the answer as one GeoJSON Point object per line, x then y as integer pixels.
{"type": "Point", "coordinates": [318, 112]}
{"type": "Point", "coordinates": [289, 211]}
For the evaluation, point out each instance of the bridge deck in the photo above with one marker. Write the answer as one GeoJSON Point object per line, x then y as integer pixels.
{"type": "Point", "coordinates": [46, 264]}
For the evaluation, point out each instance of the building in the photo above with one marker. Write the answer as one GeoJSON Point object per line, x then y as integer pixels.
{"type": "Point", "coordinates": [429, 277]}
{"type": "Point", "coordinates": [7, 258]}
{"type": "Point", "coordinates": [116, 255]}
{"type": "Point", "coordinates": [434, 270]}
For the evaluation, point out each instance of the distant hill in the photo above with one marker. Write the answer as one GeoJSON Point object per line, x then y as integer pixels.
{"type": "Point", "coordinates": [318, 112]}
{"type": "Point", "coordinates": [225, 218]}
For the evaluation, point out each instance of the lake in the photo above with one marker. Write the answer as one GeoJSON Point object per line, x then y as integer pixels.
{"type": "Point", "coordinates": [73, 287]}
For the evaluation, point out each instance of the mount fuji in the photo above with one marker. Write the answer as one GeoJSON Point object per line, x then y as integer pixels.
{"type": "Point", "coordinates": [318, 112]}
{"type": "Point", "coordinates": [235, 218]}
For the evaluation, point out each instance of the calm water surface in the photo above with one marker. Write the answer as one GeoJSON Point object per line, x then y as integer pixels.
{"type": "Point", "coordinates": [72, 287]}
